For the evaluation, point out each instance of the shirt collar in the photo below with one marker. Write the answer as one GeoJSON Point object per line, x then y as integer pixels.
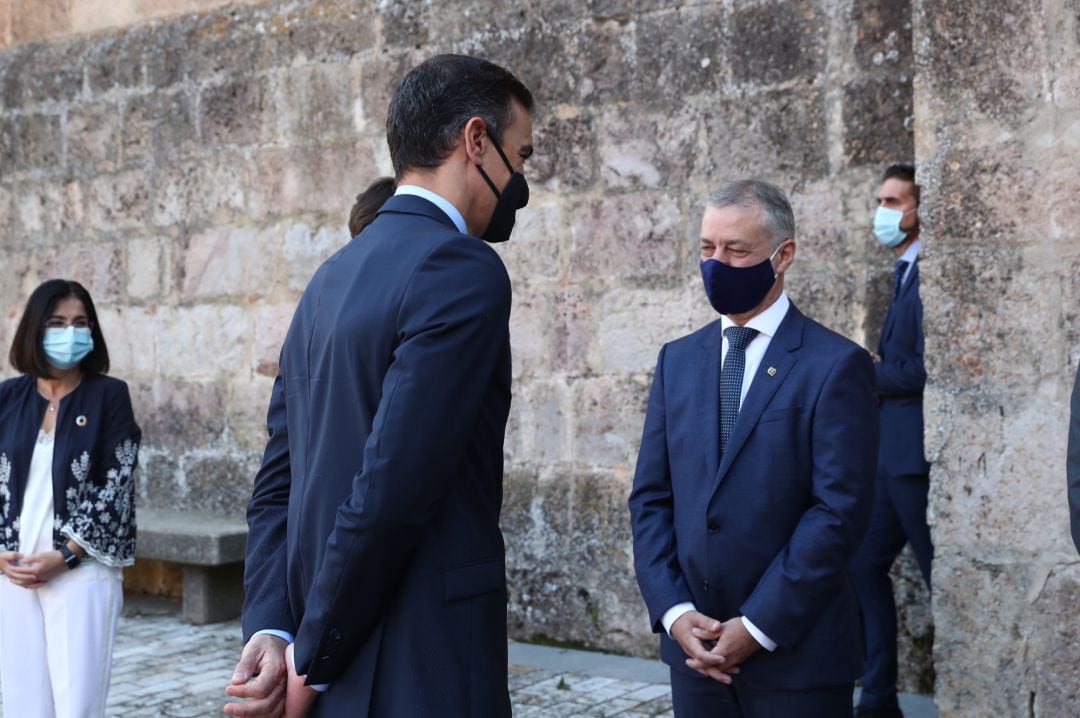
{"type": "Point", "coordinates": [768, 321]}
{"type": "Point", "coordinates": [439, 201]}
{"type": "Point", "coordinates": [912, 252]}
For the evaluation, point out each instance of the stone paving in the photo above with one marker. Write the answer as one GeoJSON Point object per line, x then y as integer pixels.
{"type": "Point", "coordinates": [165, 668]}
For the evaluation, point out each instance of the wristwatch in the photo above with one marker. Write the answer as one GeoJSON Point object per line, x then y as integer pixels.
{"type": "Point", "coordinates": [70, 558]}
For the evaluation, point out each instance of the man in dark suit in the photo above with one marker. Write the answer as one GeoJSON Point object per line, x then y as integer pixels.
{"type": "Point", "coordinates": [1072, 463]}
{"type": "Point", "coordinates": [375, 567]}
{"type": "Point", "coordinates": [754, 483]}
{"type": "Point", "coordinates": [899, 513]}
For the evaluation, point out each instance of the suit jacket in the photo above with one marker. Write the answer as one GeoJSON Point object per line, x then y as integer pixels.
{"type": "Point", "coordinates": [768, 529]}
{"type": "Point", "coordinates": [901, 378]}
{"type": "Point", "coordinates": [1072, 463]}
{"type": "Point", "coordinates": [374, 521]}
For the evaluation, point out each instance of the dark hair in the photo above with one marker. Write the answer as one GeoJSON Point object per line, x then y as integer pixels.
{"type": "Point", "coordinates": [368, 203]}
{"type": "Point", "coordinates": [27, 351]}
{"type": "Point", "coordinates": [433, 103]}
{"type": "Point", "coordinates": [905, 172]}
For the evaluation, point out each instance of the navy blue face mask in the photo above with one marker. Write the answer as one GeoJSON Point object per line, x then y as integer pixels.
{"type": "Point", "coordinates": [734, 290]}
{"type": "Point", "coordinates": [513, 197]}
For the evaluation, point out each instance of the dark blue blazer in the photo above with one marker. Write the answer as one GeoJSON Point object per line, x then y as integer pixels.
{"type": "Point", "coordinates": [374, 522]}
{"type": "Point", "coordinates": [768, 529]}
{"type": "Point", "coordinates": [95, 453]}
{"type": "Point", "coordinates": [901, 378]}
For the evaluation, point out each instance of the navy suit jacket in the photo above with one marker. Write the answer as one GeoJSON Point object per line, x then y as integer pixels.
{"type": "Point", "coordinates": [374, 521]}
{"type": "Point", "coordinates": [901, 378]}
{"type": "Point", "coordinates": [768, 529]}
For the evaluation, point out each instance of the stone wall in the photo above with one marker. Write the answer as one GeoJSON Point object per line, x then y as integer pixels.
{"type": "Point", "coordinates": [193, 172]}
{"type": "Point", "coordinates": [997, 107]}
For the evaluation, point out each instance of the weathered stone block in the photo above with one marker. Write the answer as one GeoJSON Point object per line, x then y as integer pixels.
{"type": "Point", "coordinates": [680, 53]}
{"type": "Point", "coordinates": [311, 180]}
{"type": "Point", "coordinates": [113, 62]}
{"type": "Point", "coordinates": [877, 122]}
{"type": "Point", "coordinates": [565, 151]}
{"type": "Point", "coordinates": [192, 192]}
{"type": "Point", "coordinates": [318, 105]}
{"type": "Point", "coordinates": [92, 135]}
{"type": "Point", "coordinates": [201, 342]}
{"type": "Point", "coordinates": [636, 236]}
{"type": "Point", "coordinates": [118, 201]}
{"type": "Point", "coordinates": [148, 263]}
{"type": "Point", "coordinates": [540, 433]}
{"type": "Point", "coordinates": [229, 262]}
{"type": "Point", "coordinates": [219, 483]}
{"type": "Point", "coordinates": [305, 248]}
{"type": "Point", "coordinates": [129, 332]}
{"type": "Point", "coordinates": [636, 323]}
{"type": "Point", "coordinates": [647, 150]}
{"type": "Point", "coordinates": [532, 321]}
{"type": "Point", "coordinates": [239, 112]}
{"type": "Point", "coordinates": [883, 37]}
{"type": "Point", "coordinates": [775, 42]}
{"type": "Point", "coordinates": [34, 142]}
{"type": "Point", "coordinates": [537, 249]}
{"type": "Point", "coordinates": [608, 416]}
{"type": "Point", "coordinates": [271, 325]}
{"type": "Point", "coordinates": [178, 415]}
{"type": "Point", "coordinates": [99, 267]}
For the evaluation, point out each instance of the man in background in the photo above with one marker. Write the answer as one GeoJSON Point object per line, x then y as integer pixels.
{"type": "Point", "coordinates": [900, 498]}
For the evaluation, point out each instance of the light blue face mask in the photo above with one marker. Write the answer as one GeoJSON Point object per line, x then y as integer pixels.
{"type": "Point", "coordinates": [65, 348]}
{"type": "Point", "coordinates": [887, 226]}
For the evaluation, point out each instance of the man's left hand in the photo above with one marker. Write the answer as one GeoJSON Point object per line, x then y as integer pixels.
{"type": "Point", "coordinates": [298, 697]}
{"type": "Point", "coordinates": [734, 643]}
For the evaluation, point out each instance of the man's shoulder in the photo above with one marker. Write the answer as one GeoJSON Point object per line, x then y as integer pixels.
{"type": "Point", "coordinates": [695, 341]}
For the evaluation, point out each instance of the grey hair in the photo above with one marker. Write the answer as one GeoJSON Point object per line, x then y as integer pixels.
{"type": "Point", "coordinates": [777, 218]}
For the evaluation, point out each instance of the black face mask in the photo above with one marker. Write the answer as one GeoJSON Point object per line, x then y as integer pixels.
{"type": "Point", "coordinates": [513, 197]}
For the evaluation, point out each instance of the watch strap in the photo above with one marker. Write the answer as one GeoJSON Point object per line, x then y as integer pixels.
{"type": "Point", "coordinates": [70, 557]}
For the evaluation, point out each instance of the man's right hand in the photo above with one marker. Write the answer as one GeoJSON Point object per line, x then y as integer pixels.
{"type": "Point", "coordinates": [698, 649]}
{"type": "Point", "coordinates": [259, 679]}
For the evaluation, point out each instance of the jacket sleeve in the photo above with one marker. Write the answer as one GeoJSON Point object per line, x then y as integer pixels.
{"type": "Point", "coordinates": [809, 571]}
{"type": "Point", "coordinates": [652, 513]}
{"type": "Point", "coordinates": [905, 373]}
{"type": "Point", "coordinates": [266, 598]}
{"type": "Point", "coordinates": [1072, 463]}
{"type": "Point", "coordinates": [101, 507]}
{"type": "Point", "coordinates": [453, 328]}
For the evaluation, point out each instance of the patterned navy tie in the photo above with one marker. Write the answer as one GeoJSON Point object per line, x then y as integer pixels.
{"type": "Point", "coordinates": [731, 378]}
{"type": "Point", "coordinates": [901, 267]}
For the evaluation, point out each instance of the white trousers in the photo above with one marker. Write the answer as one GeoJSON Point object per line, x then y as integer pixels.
{"type": "Point", "coordinates": [56, 643]}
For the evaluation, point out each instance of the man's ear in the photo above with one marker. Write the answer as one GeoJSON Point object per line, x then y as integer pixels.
{"type": "Point", "coordinates": [786, 255]}
{"type": "Point", "coordinates": [476, 139]}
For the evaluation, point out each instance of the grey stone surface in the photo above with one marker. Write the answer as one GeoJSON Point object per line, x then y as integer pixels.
{"type": "Point", "coordinates": [212, 593]}
{"type": "Point", "coordinates": [195, 170]}
{"type": "Point", "coordinates": [189, 537]}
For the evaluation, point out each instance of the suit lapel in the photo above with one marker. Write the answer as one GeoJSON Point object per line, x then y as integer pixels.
{"type": "Point", "coordinates": [708, 393]}
{"type": "Point", "coordinates": [779, 356]}
{"type": "Point", "coordinates": [905, 288]}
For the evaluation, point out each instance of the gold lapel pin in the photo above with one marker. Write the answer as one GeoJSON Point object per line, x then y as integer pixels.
{"type": "Point", "coordinates": [772, 371]}
{"type": "Point", "coordinates": [80, 421]}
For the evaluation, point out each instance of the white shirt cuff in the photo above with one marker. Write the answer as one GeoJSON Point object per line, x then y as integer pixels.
{"type": "Point", "coordinates": [284, 635]}
{"type": "Point", "coordinates": [674, 613]}
{"type": "Point", "coordinates": [318, 687]}
{"type": "Point", "coordinates": [767, 643]}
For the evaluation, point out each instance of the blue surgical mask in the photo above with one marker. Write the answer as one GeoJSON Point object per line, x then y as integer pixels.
{"type": "Point", "coordinates": [887, 226]}
{"type": "Point", "coordinates": [734, 290]}
{"type": "Point", "coordinates": [65, 348]}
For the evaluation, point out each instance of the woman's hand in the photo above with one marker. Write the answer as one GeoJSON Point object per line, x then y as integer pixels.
{"type": "Point", "coordinates": [11, 566]}
{"type": "Point", "coordinates": [42, 567]}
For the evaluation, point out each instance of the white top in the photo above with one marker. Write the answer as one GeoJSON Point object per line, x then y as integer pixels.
{"type": "Point", "coordinates": [36, 519]}
{"type": "Point", "coordinates": [767, 323]}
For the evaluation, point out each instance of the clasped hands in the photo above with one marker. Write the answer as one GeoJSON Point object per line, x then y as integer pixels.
{"type": "Point", "coordinates": [31, 571]}
{"type": "Point", "coordinates": [266, 680]}
{"type": "Point", "coordinates": [715, 649]}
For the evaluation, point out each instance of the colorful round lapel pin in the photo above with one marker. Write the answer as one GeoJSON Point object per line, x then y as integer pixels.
{"type": "Point", "coordinates": [80, 421]}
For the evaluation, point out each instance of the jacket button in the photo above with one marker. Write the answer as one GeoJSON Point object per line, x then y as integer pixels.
{"type": "Point", "coordinates": [713, 528]}
{"type": "Point", "coordinates": [334, 635]}
{"type": "Point", "coordinates": [705, 585]}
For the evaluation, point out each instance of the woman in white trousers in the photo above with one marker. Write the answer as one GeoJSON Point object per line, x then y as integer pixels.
{"type": "Point", "coordinates": [68, 449]}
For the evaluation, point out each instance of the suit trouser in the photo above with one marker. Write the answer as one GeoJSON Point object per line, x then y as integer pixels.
{"type": "Point", "coordinates": [701, 697]}
{"type": "Point", "coordinates": [898, 517]}
{"type": "Point", "coordinates": [56, 643]}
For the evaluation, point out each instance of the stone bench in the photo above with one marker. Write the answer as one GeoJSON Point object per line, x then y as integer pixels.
{"type": "Point", "coordinates": [211, 550]}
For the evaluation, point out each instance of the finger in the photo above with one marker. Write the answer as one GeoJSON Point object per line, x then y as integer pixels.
{"type": "Point", "coordinates": [696, 651]}
{"type": "Point", "coordinates": [246, 667]}
{"type": "Point", "coordinates": [270, 678]}
{"type": "Point", "coordinates": [704, 634]}
{"type": "Point", "coordinates": [710, 672]}
{"type": "Point", "coordinates": [271, 706]}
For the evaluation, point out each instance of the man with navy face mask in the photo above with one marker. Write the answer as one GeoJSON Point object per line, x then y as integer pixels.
{"type": "Point", "coordinates": [899, 513]}
{"type": "Point", "coordinates": [754, 483]}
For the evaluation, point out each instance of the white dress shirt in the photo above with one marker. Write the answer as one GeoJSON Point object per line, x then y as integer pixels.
{"type": "Point", "coordinates": [766, 324]}
{"type": "Point", "coordinates": [910, 255]}
{"type": "Point", "coordinates": [439, 201]}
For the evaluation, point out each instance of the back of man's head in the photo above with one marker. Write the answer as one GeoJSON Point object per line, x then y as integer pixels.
{"type": "Point", "coordinates": [433, 103]}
